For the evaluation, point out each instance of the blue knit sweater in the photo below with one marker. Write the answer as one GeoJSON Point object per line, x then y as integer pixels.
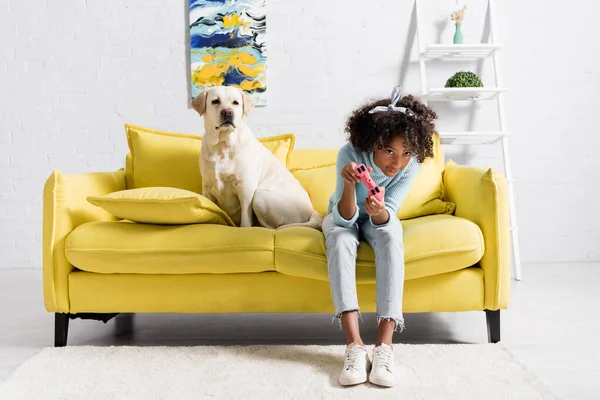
{"type": "Point", "coordinates": [396, 188]}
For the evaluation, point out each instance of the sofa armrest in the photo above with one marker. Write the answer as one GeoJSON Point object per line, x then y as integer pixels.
{"type": "Point", "coordinates": [65, 208]}
{"type": "Point", "coordinates": [481, 196]}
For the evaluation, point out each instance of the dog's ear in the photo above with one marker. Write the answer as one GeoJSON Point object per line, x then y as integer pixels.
{"type": "Point", "coordinates": [247, 103]}
{"type": "Point", "coordinates": [198, 103]}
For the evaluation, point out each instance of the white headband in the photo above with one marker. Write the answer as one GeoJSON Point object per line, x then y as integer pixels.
{"type": "Point", "coordinates": [392, 105]}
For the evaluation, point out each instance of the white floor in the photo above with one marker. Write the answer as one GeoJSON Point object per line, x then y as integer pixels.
{"type": "Point", "coordinates": [553, 325]}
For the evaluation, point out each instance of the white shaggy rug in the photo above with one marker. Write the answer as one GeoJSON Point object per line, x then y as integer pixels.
{"type": "Point", "coordinates": [267, 372]}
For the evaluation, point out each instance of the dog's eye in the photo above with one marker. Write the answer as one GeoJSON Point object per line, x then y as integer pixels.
{"type": "Point", "coordinates": [235, 102]}
{"type": "Point", "coordinates": [216, 101]}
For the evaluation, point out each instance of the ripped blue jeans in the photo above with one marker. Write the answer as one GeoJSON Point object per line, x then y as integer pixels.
{"type": "Point", "coordinates": [342, 246]}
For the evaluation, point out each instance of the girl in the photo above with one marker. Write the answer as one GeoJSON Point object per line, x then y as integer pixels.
{"type": "Point", "coordinates": [392, 141]}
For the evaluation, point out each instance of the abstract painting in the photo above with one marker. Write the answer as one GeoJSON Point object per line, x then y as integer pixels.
{"type": "Point", "coordinates": [228, 46]}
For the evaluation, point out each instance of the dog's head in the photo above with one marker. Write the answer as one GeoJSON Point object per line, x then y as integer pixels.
{"type": "Point", "coordinates": [223, 107]}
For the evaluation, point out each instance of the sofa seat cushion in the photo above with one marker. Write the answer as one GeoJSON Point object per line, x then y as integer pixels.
{"type": "Point", "coordinates": [433, 245]}
{"type": "Point", "coordinates": [125, 247]}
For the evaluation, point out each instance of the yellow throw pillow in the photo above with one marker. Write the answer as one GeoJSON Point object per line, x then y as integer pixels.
{"type": "Point", "coordinates": [158, 158]}
{"type": "Point", "coordinates": [162, 205]}
{"type": "Point", "coordinates": [427, 190]}
{"type": "Point", "coordinates": [319, 182]}
{"type": "Point", "coordinates": [426, 194]}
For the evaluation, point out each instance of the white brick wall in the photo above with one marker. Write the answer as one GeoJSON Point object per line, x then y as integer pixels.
{"type": "Point", "coordinates": [73, 72]}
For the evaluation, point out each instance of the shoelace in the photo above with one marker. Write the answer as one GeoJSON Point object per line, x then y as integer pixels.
{"type": "Point", "coordinates": [352, 355]}
{"type": "Point", "coordinates": [384, 359]}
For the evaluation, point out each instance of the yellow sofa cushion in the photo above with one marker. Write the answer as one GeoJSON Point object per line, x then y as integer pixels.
{"type": "Point", "coordinates": [434, 244]}
{"type": "Point", "coordinates": [319, 182]}
{"type": "Point", "coordinates": [316, 172]}
{"type": "Point", "coordinates": [308, 158]}
{"type": "Point", "coordinates": [162, 205]}
{"type": "Point", "coordinates": [426, 193]}
{"type": "Point", "coordinates": [158, 158]}
{"type": "Point", "coordinates": [126, 247]}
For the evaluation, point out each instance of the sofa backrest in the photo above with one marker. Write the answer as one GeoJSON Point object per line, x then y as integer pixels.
{"type": "Point", "coordinates": [160, 158]}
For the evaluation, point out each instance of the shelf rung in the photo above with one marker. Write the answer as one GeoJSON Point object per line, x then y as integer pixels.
{"type": "Point", "coordinates": [471, 137]}
{"type": "Point", "coordinates": [460, 51]}
{"type": "Point", "coordinates": [471, 93]}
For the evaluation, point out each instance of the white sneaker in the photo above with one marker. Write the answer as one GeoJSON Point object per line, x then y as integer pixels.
{"type": "Point", "coordinates": [356, 365]}
{"type": "Point", "coordinates": [382, 373]}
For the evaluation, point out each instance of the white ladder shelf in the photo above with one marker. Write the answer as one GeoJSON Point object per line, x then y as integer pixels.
{"type": "Point", "coordinates": [462, 52]}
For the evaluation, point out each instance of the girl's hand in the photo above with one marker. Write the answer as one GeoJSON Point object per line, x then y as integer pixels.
{"type": "Point", "coordinates": [348, 174]}
{"type": "Point", "coordinates": [373, 206]}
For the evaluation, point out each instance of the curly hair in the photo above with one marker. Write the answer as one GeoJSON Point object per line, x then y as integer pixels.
{"type": "Point", "coordinates": [366, 131]}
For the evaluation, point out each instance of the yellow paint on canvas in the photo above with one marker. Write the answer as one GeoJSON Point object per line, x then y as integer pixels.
{"type": "Point", "coordinates": [246, 58]}
{"type": "Point", "coordinates": [250, 70]}
{"type": "Point", "coordinates": [245, 63]}
{"type": "Point", "coordinates": [217, 62]}
{"type": "Point", "coordinates": [251, 85]}
{"type": "Point", "coordinates": [210, 74]}
{"type": "Point", "coordinates": [233, 21]}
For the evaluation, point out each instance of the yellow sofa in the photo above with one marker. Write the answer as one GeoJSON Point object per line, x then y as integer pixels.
{"type": "Point", "coordinates": [96, 266]}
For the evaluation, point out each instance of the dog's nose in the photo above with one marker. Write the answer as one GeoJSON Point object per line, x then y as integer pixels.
{"type": "Point", "coordinates": [227, 114]}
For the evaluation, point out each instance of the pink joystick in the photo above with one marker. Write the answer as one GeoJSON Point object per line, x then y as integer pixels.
{"type": "Point", "coordinates": [363, 173]}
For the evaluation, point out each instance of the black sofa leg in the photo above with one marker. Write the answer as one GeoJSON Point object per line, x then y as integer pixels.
{"type": "Point", "coordinates": [493, 325]}
{"type": "Point", "coordinates": [61, 324]}
{"type": "Point", "coordinates": [124, 324]}
{"type": "Point", "coordinates": [61, 329]}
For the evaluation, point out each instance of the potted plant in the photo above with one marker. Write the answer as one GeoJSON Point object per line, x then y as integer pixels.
{"type": "Point", "coordinates": [464, 79]}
